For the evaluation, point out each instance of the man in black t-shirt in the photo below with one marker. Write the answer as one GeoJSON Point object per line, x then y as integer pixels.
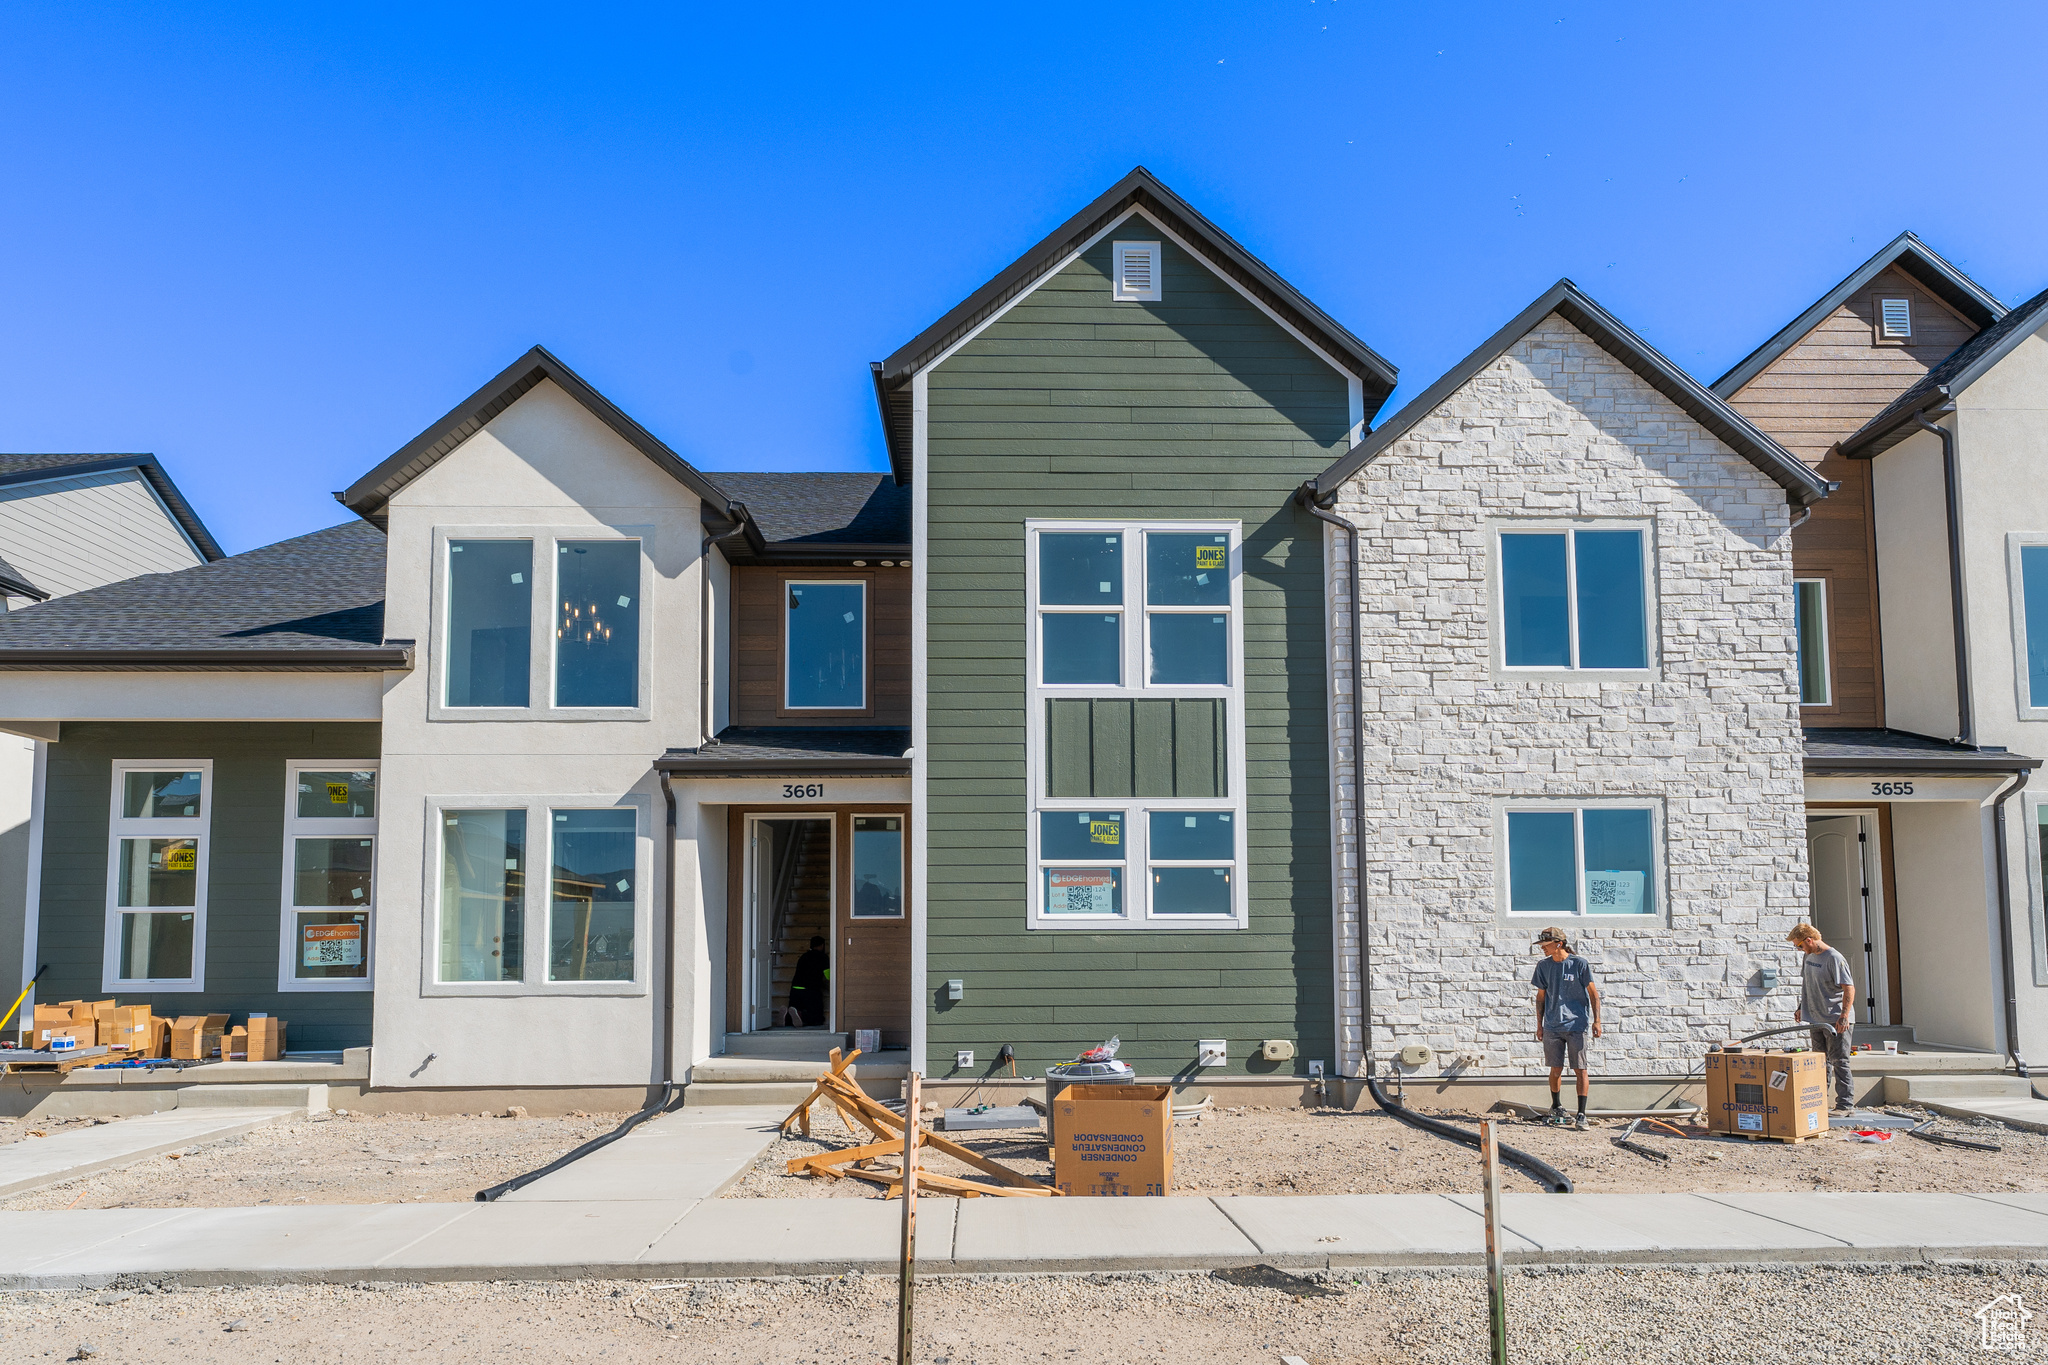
{"type": "Point", "coordinates": [813, 979]}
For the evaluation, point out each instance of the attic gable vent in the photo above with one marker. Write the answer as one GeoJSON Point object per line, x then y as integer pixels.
{"type": "Point", "coordinates": [1895, 319]}
{"type": "Point", "coordinates": [1137, 271]}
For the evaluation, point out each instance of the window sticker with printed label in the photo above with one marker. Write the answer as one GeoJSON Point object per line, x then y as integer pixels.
{"type": "Point", "coordinates": [1083, 891]}
{"type": "Point", "coordinates": [332, 945]}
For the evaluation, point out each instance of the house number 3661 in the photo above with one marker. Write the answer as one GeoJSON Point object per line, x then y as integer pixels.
{"type": "Point", "coordinates": [1891, 789]}
{"type": "Point", "coordinates": [802, 791]}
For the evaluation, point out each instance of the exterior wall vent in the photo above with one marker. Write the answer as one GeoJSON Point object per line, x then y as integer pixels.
{"type": "Point", "coordinates": [1895, 319]}
{"type": "Point", "coordinates": [1137, 271]}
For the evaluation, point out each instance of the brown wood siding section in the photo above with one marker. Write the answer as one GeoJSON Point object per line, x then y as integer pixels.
{"type": "Point", "coordinates": [1832, 381]}
{"type": "Point", "coordinates": [871, 959]}
{"type": "Point", "coordinates": [757, 647]}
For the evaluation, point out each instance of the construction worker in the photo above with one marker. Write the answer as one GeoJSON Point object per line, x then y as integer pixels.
{"type": "Point", "coordinates": [811, 983]}
{"type": "Point", "coordinates": [1827, 995]}
{"type": "Point", "coordinates": [1567, 1005]}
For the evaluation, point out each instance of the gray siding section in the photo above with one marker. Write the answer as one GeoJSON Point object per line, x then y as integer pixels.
{"type": "Point", "coordinates": [244, 878]}
{"type": "Point", "coordinates": [70, 534]}
{"type": "Point", "coordinates": [1073, 405]}
{"type": "Point", "coordinates": [1125, 747]}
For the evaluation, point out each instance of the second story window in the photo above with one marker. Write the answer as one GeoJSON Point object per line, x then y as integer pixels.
{"type": "Point", "coordinates": [490, 622]}
{"type": "Point", "coordinates": [597, 622]}
{"type": "Point", "coordinates": [825, 632]}
{"type": "Point", "coordinates": [1574, 598]}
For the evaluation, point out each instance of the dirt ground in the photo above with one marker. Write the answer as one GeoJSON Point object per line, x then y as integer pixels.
{"type": "Point", "coordinates": [322, 1159]}
{"type": "Point", "coordinates": [1330, 1151]}
{"type": "Point", "coordinates": [1254, 1314]}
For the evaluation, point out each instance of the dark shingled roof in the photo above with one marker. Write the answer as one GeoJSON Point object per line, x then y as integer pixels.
{"type": "Point", "coordinates": [316, 601]}
{"type": "Point", "coordinates": [796, 751]}
{"type": "Point", "coordinates": [1964, 366]}
{"type": "Point", "coordinates": [15, 584]}
{"type": "Point", "coordinates": [1851, 751]}
{"type": "Point", "coordinates": [836, 509]}
{"type": "Point", "coordinates": [30, 468]}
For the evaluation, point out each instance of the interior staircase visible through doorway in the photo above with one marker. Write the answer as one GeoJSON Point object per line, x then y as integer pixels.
{"type": "Point", "coordinates": [802, 904]}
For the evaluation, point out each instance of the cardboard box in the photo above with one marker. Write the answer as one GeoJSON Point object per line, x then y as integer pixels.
{"type": "Point", "coordinates": [85, 1035]}
{"type": "Point", "coordinates": [1764, 1093]}
{"type": "Point", "coordinates": [234, 1045]}
{"type": "Point", "coordinates": [46, 1018]}
{"type": "Point", "coordinates": [135, 1030]}
{"type": "Point", "coordinates": [195, 1037]}
{"type": "Point", "coordinates": [265, 1037]}
{"type": "Point", "coordinates": [1113, 1140]}
{"type": "Point", "coordinates": [84, 1011]}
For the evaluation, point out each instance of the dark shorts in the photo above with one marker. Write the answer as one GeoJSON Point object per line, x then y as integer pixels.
{"type": "Point", "coordinates": [1556, 1045]}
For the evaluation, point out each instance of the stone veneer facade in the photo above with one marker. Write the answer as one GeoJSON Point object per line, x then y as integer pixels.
{"type": "Point", "coordinates": [1557, 428]}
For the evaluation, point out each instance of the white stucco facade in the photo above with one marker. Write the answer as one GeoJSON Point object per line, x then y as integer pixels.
{"type": "Point", "coordinates": [1559, 432]}
{"type": "Point", "coordinates": [542, 468]}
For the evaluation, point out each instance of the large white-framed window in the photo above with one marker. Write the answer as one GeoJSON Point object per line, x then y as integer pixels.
{"type": "Point", "coordinates": [538, 895]}
{"type": "Point", "coordinates": [1574, 596]}
{"type": "Point", "coordinates": [330, 867]}
{"type": "Point", "coordinates": [1146, 611]}
{"type": "Point", "coordinates": [541, 623]}
{"type": "Point", "coordinates": [158, 849]}
{"type": "Point", "coordinates": [1816, 676]}
{"type": "Point", "coordinates": [824, 644]}
{"type": "Point", "coordinates": [2027, 585]}
{"type": "Point", "coordinates": [1580, 858]}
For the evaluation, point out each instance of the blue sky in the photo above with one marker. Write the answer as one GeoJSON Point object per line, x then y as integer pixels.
{"type": "Point", "coordinates": [272, 249]}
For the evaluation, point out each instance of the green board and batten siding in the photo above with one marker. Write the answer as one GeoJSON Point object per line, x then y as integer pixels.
{"type": "Point", "coordinates": [245, 869]}
{"type": "Point", "coordinates": [1074, 405]}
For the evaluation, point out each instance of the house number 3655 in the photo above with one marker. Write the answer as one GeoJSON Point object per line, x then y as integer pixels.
{"type": "Point", "coordinates": [803, 791]}
{"type": "Point", "coordinates": [1891, 789]}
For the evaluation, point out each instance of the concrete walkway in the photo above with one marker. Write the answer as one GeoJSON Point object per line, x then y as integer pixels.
{"type": "Point", "coordinates": [32, 1163]}
{"type": "Point", "coordinates": [677, 1239]}
{"type": "Point", "coordinates": [685, 1154]}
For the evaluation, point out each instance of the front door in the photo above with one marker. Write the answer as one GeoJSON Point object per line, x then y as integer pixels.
{"type": "Point", "coordinates": [1846, 905]}
{"type": "Point", "coordinates": [791, 873]}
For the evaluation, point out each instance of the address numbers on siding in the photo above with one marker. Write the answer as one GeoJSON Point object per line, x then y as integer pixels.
{"type": "Point", "coordinates": [1891, 789]}
{"type": "Point", "coordinates": [803, 791]}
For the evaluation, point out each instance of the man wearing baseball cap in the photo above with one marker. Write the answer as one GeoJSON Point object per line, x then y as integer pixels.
{"type": "Point", "coordinates": [1567, 1005]}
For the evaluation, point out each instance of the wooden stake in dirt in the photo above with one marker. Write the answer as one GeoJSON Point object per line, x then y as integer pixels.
{"type": "Point", "coordinates": [1496, 1279]}
{"type": "Point", "coordinates": [906, 1286]}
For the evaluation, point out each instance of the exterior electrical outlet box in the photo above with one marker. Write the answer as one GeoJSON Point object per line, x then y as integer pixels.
{"type": "Point", "coordinates": [1415, 1054]}
{"type": "Point", "coordinates": [1277, 1050]}
{"type": "Point", "coordinates": [956, 989]}
{"type": "Point", "coordinates": [1767, 977]}
{"type": "Point", "coordinates": [1212, 1052]}
{"type": "Point", "coordinates": [963, 1058]}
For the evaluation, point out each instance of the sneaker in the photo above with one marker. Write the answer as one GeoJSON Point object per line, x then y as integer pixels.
{"type": "Point", "coordinates": [1579, 1122]}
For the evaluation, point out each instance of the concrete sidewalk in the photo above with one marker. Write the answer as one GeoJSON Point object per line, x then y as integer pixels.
{"type": "Point", "coordinates": [683, 1155]}
{"type": "Point", "coordinates": [679, 1239]}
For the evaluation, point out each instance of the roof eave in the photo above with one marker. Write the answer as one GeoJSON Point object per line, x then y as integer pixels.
{"type": "Point", "coordinates": [1927, 267]}
{"type": "Point", "coordinates": [1828, 766]}
{"type": "Point", "coordinates": [379, 660]}
{"type": "Point", "coordinates": [13, 586]}
{"type": "Point", "coordinates": [154, 474]}
{"type": "Point", "coordinates": [1802, 486]}
{"type": "Point", "coordinates": [369, 495]}
{"type": "Point", "coordinates": [694, 766]}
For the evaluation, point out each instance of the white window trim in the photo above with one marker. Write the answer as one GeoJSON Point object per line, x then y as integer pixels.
{"type": "Point", "coordinates": [1659, 878]}
{"type": "Point", "coordinates": [1827, 658]}
{"type": "Point", "coordinates": [298, 827]}
{"type": "Point", "coordinates": [1497, 591]}
{"type": "Point", "coordinates": [2016, 592]}
{"type": "Point", "coordinates": [540, 661]}
{"type": "Point", "coordinates": [534, 908]}
{"type": "Point", "coordinates": [2031, 804]}
{"type": "Point", "coordinates": [119, 828]}
{"type": "Point", "coordinates": [1137, 833]}
{"type": "Point", "coordinates": [1118, 291]}
{"type": "Point", "coordinates": [866, 636]}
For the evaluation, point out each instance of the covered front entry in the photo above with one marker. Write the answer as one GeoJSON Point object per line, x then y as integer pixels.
{"type": "Point", "coordinates": [819, 930]}
{"type": "Point", "coordinates": [1849, 905]}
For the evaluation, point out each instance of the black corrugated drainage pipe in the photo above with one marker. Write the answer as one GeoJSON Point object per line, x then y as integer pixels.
{"type": "Point", "coordinates": [1966, 718]}
{"type": "Point", "coordinates": [668, 1028]}
{"type": "Point", "coordinates": [2005, 938]}
{"type": "Point", "coordinates": [1543, 1171]}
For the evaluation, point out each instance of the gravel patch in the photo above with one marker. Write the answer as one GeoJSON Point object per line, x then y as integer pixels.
{"type": "Point", "coordinates": [328, 1159]}
{"type": "Point", "coordinates": [1334, 1151]}
{"type": "Point", "coordinates": [1763, 1314]}
{"type": "Point", "coordinates": [28, 1130]}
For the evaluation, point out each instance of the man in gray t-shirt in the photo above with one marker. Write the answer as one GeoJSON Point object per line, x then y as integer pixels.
{"type": "Point", "coordinates": [1827, 995]}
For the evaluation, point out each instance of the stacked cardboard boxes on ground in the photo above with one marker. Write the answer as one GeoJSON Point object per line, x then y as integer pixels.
{"type": "Point", "coordinates": [135, 1031]}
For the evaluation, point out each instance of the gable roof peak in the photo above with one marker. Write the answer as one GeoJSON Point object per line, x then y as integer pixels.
{"type": "Point", "coordinates": [1907, 253]}
{"type": "Point", "coordinates": [1141, 189]}
{"type": "Point", "coordinates": [1566, 300]}
{"type": "Point", "coordinates": [1962, 367]}
{"type": "Point", "coordinates": [370, 495]}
